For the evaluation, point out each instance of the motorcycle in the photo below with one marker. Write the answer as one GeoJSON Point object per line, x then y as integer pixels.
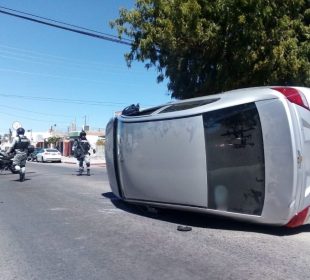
{"type": "Point", "coordinates": [6, 162]}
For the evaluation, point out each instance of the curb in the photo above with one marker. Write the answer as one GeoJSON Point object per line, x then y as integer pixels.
{"type": "Point", "coordinates": [92, 164]}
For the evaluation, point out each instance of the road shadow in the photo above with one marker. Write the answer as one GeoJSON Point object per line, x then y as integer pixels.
{"type": "Point", "coordinates": [83, 174]}
{"type": "Point", "coordinates": [201, 220]}
{"type": "Point", "coordinates": [12, 174]}
{"type": "Point", "coordinates": [5, 174]}
{"type": "Point", "coordinates": [17, 180]}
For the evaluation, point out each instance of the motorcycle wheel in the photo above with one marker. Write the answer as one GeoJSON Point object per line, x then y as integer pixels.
{"type": "Point", "coordinates": [13, 170]}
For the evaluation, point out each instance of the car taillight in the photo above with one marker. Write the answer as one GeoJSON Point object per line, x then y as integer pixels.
{"type": "Point", "coordinates": [299, 219]}
{"type": "Point", "coordinates": [294, 96]}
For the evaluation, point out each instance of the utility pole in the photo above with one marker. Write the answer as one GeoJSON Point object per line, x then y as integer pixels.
{"type": "Point", "coordinates": [30, 130]}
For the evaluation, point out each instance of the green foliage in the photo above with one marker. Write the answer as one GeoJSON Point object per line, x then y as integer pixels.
{"type": "Point", "coordinates": [205, 46]}
{"type": "Point", "coordinates": [100, 142]}
{"type": "Point", "coordinates": [53, 140]}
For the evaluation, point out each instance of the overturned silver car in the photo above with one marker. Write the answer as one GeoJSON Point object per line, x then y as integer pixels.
{"type": "Point", "coordinates": [243, 154]}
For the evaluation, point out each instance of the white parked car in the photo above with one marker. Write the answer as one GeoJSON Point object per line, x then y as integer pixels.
{"type": "Point", "coordinates": [45, 155]}
{"type": "Point", "coordinates": [243, 154]}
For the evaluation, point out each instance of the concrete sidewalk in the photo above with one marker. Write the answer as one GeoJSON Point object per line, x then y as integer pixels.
{"type": "Point", "coordinates": [93, 160]}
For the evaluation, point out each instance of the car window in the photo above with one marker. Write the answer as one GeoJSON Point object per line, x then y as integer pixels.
{"type": "Point", "coordinates": [148, 111]}
{"type": "Point", "coordinates": [235, 159]}
{"type": "Point", "coordinates": [52, 150]}
{"type": "Point", "coordinates": [188, 105]}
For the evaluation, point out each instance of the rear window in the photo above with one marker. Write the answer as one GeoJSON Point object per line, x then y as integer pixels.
{"type": "Point", "coordinates": [187, 105]}
{"type": "Point", "coordinates": [52, 150]}
{"type": "Point", "coordinates": [235, 159]}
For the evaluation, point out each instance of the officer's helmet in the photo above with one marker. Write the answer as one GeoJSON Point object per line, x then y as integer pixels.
{"type": "Point", "coordinates": [20, 131]}
{"type": "Point", "coordinates": [82, 134]}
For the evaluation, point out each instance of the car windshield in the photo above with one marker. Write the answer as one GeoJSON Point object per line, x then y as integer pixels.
{"type": "Point", "coordinates": [148, 111]}
{"type": "Point", "coordinates": [188, 105]}
{"type": "Point", "coordinates": [235, 159]}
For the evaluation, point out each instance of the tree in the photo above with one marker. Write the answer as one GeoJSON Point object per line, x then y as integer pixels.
{"type": "Point", "coordinates": [53, 140]}
{"type": "Point", "coordinates": [204, 47]}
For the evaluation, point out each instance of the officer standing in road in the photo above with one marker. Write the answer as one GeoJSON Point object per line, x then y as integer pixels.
{"type": "Point", "coordinates": [20, 146]}
{"type": "Point", "coordinates": [81, 148]}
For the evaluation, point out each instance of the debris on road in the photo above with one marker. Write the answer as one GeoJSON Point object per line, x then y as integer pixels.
{"type": "Point", "coordinates": [184, 228]}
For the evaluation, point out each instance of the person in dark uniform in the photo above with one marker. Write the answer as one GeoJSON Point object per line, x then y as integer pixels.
{"type": "Point", "coordinates": [81, 151]}
{"type": "Point", "coordinates": [20, 147]}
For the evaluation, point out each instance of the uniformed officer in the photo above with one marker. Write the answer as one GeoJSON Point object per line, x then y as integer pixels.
{"type": "Point", "coordinates": [81, 151]}
{"type": "Point", "coordinates": [20, 146]}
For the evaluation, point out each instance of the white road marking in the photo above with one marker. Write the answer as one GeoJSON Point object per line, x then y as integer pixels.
{"type": "Point", "coordinates": [58, 209]}
{"type": "Point", "coordinates": [109, 210]}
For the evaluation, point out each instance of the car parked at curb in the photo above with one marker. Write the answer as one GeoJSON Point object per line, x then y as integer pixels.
{"type": "Point", "coordinates": [48, 155]}
{"type": "Point", "coordinates": [243, 154]}
{"type": "Point", "coordinates": [33, 155]}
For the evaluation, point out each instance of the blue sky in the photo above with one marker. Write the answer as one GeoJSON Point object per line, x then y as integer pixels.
{"type": "Point", "coordinates": [40, 61]}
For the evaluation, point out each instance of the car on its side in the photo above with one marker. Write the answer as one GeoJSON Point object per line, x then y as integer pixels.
{"type": "Point", "coordinates": [243, 154]}
{"type": "Point", "coordinates": [49, 155]}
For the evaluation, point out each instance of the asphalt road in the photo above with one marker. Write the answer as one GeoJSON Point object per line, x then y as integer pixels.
{"type": "Point", "coordinates": [56, 226]}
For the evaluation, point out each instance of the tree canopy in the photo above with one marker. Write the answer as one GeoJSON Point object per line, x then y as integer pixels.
{"type": "Point", "coordinates": [53, 140]}
{"type": "Point", "coordinates": [209, 46]}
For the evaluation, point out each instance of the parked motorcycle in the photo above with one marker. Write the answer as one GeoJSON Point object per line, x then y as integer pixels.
{"type": "Point", "coordinates": [6, 162]}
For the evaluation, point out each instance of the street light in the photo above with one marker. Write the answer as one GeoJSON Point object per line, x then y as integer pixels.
{"type": "Point", "coordinates": [53, 128]}
{"type": "Point", "coordinates": [30, 130]}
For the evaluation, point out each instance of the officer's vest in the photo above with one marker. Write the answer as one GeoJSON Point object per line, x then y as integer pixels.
{"type": "Point", "coordinates": [84, 146]}
{"type": "Point", "coordinates": [22, 144]}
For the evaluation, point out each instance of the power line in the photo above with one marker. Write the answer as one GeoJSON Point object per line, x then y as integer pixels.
{"type": "Point", "coordinates": [67, 27]}
{"type": "Point", "coordinates": [85, 68]}
{"type": "Point", "coordinates": [64, 23]}
{"type": "Point", "coordinates": [36, 113]}
{"type": "Point", "coordinates": [31, 119]}
{"type": "Point", "coordinates": [71, 101]}
{"type": "Point", "coordinates": [64, 100]}
{"type": "Point", "coordinates": [46, 56]}
{"type": "Point", "coordinates": [33, 59]}
{"type": "Point", "coordinates": [68, 77]}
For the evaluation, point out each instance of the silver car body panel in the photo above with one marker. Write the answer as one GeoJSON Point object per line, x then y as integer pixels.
{"type": "Point", "coordinates": [111, 157]}
{"type": "Point", "coordinates": [160, 159]}
{"type": "Point", "coordinates": [164, 161]}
